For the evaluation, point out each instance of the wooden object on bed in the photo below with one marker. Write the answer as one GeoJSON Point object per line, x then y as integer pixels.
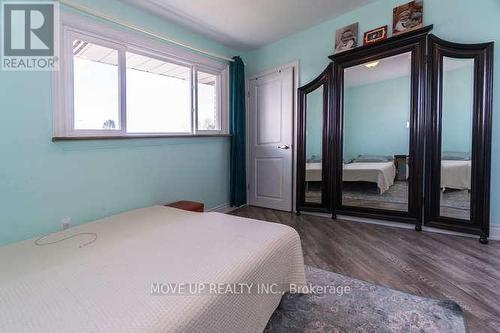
{"type": "Point", "coordinates": [191, 206]}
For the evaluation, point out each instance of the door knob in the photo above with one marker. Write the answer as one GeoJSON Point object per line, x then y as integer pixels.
{"type": "Point", "coordinates": [284, 147]}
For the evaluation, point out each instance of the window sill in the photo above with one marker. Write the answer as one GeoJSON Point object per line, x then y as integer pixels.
{"type": "Point", "coordinates": [133, 137]}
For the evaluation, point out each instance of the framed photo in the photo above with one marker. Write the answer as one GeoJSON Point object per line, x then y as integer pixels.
{"type": "Point", "coordinates": [375, 35]}
{"type": "Point", "coordinates": [346, 38]}
{"type": "Point", "coordinates": [408, 17]}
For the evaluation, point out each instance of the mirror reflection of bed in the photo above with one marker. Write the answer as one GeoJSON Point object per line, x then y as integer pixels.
{"type": "Point", "coordinates": [371, 181]}
{"type": "Point", "coordinates": [314, 146]}
{"type": "Point", "coordinates": [376, 134]}
{"type": "Point", "coordinates": [376, 182]}
{"type": "Point", "coordinates": [455, 185]}
{"type": "Point", "coordinates": [456, 137]}
{"type": "Point", "coordinates": [313, 180]}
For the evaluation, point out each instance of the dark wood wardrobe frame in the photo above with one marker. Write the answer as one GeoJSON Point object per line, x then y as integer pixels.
{"type": "Point", "coordinates": [425, 132]}
{"type": "Point", "coordinates": [414, 42]}
{"type": "Point", "coordinates": [481, 136]}
{"type": "Point", "coordinates": [324, 79]}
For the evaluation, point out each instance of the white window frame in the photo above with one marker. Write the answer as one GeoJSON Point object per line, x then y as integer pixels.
{"type": "Point", "coordinates": [69, 117]}
{"type": "Point", "coordinates": [219, 88]}
{"type": "Point", "coordinates": [78, 27]}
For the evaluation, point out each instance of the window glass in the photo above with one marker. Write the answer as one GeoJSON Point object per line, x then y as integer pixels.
{"type": "Point", "coordinates": [158, 96]}
{"type": "Point", "coordinates": [120, 89]}
{"type": "Point", "coordinates": [96, 89]}
{"type": "Point", "coordinates": [207, 102]}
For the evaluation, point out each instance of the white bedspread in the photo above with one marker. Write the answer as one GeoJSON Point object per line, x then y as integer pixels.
{"type": "Point", "coordinates": [314, 172]}
{"type": "Point", "coordinates": [381, 173]}
{"type": "Point", "coordinates": [456, 174]}
{"type": "Point", "coordinates": [106, 286]}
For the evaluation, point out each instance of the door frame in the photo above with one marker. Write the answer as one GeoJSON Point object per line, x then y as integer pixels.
{"type": "Point", "coordinates": [296, 77]}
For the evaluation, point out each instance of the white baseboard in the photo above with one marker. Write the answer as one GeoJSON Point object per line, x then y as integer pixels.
{"type": "Point", "coordinates": [325, 215]}
{"type": "Point", "coordinates": [224, 208]}
{"type": "Point", "coordinates": [495, 232]}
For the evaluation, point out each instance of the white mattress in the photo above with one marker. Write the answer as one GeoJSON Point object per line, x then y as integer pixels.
{"type": "Point", "coordinates": [314, 172]}
{"type": "Point", "coordinates": [106, 286]}
{"type": "Point", "coordinates": [456, 174]}
{"type": "Point", "coordinates": [381, 173]}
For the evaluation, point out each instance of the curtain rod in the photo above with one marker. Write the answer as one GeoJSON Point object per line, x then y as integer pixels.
{"type": "Point", "coordinates": [138, 29]}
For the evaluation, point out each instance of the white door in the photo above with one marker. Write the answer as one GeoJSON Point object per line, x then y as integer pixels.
{"type": "Point", "coordinates": [270, 140]}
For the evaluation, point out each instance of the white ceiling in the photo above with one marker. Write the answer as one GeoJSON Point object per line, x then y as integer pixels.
{"type": "Point", "coordinates": [386, 69]}
{"type": "Point", "coordinates": [247, 24]}
{"type": "Point", "coordinates": [393, 68]}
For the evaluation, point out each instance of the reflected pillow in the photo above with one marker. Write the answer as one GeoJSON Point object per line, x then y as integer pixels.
{"type": "Point", "coordinates": [455, 156]}
{"type": "Point", "coordinates": [372, 158]}
{"type": "Point", "coordinates": [314, 159]}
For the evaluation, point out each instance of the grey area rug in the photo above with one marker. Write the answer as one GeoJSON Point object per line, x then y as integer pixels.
{"type": "Point", "coordinates": [367, 308]}
{"type": "Point", "coordinates": [458, 199]}
{"type": "Point", "coordinates": [397, 193]}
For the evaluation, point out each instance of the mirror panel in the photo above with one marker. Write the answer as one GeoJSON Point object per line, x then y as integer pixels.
{"type": "Point", "coordinates": [458, 151]}
{"type": "Point", "coordinates": [314, 182]}
{"type": "Point", "coordinates": [456, 137]}
{"type": "Point", "coordinates": [376, 142]}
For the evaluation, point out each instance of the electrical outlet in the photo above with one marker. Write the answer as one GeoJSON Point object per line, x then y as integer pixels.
{"type": "Point", "coordinates": [65, 223]}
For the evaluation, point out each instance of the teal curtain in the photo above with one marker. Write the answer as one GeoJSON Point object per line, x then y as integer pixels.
{"type": "Point", "coordinates": [238, 189]}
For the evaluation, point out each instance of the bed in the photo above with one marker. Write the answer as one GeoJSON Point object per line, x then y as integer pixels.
{"type": "Point", "coordinates": [456, 174]}
{"type": "Point", "coordinates": [314, 172]}
{"type": "Point", "coordinates": [105, 284]}
{"type": "Point", "coordinates": [380, 173]}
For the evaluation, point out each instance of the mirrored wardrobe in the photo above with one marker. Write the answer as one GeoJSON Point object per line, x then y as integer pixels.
{"type": "Point", "coordinates": [400, 131]}
{"type": "Point", "coordinates": [459, 136]}
{"type": "Point", "coordinates": [378, 128]}
{"type": "Point", "coordinates": [313, 191]}
{"type": "Point", "coordinates": [376, 134]}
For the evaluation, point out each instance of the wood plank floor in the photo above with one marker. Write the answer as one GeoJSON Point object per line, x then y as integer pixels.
{"type": "Point", "coordinates": [427, 264]}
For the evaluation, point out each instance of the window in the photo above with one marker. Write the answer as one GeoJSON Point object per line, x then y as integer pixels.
{"type": "Point", "coordinates": [109, 87]}
{"type": "Point", "coordinates": [207, 102]}
{"type": "Point", "coordinates": [96, 90]}
{"type": "Point", "coordinates": [158, 96]}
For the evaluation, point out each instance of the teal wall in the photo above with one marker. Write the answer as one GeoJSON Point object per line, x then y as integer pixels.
{"type": "Point", "coordinates": [42, 182]}
{"type": "Point", "coordinates": [375, 118]}
{"type": "Point", "coordinates": [458, 92]}
{"type": "Point", "coordinates": [460, 21]}
{"type": "Point", "coordinates": [314, 121]}
{"type": "Point", "coordinates": [375, 127]}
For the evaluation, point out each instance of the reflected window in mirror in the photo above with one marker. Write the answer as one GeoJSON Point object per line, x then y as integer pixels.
{"type": "Point", "coordinates": [314, 146]}
{"type": "Point", "coordinates": [456, 137]}
{"type": "Point", "coordinates": [377, 104]}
